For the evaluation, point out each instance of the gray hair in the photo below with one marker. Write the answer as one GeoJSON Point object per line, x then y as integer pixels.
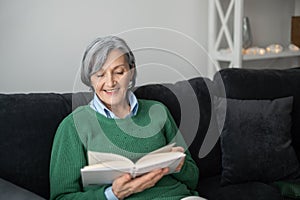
{"type": "Point", "coordinates": [96, 54]}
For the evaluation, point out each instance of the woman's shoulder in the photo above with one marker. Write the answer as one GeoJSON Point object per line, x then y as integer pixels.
{"type": "Point", "coordinates": [150, 102]}
{"type": "Point", "coordinates": [146, 105]}
{"type": "Point", "coordinates": [79, 111]}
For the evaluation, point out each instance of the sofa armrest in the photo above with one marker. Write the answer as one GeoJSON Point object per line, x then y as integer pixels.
{"type": "Point", "coordinates": [14, 192]}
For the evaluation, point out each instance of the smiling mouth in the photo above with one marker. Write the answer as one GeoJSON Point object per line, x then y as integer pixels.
{"type": "Point", "coordinates": [111, 90]}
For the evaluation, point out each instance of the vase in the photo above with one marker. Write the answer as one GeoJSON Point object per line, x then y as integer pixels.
{"type": "Point", "coordinates": [246, 31]}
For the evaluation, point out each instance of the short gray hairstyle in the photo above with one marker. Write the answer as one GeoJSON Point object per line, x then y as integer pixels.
{"type": "Point", "coordinates": [96, 54]}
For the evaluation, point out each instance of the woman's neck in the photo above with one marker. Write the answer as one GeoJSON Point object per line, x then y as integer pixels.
{"type": "Point", "coordinates": [121, 111]}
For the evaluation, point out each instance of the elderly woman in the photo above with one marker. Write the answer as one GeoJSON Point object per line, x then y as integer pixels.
{"type": "Point", "coordinates": [115, 121]}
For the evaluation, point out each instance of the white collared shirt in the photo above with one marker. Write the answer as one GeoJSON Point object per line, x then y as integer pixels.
{"type": "Point", "coordinates": [97, 105]}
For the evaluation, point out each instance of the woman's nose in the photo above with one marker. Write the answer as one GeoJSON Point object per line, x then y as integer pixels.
{"type": "Point", "coordinates": [110, 80]}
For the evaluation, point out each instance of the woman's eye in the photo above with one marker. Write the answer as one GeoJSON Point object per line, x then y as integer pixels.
{"type": "Point", "coordinates": [100, 75]}
{"type": "Point", "coordinates": [119, 72]}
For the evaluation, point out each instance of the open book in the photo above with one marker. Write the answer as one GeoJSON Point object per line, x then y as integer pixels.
{"type": "Point", "coordinates": [104, 168]}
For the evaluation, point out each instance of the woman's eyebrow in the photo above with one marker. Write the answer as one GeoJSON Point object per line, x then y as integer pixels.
{"type": "Point", "coordinates": [114, 68]}
{"type": "Point", "coordinates": [120, 65]}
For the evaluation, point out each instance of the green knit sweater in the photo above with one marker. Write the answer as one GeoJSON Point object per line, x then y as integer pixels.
{"type": "Point", "coordinates": [84, 129]}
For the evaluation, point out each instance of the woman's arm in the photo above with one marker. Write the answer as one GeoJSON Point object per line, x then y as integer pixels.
{"type": "Point", "coordinates": [189, 171]}
{"type": "Point", "coordinates": [67, 158]}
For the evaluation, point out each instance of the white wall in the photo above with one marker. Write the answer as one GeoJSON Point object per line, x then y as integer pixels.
{"type": "Point", "coordinates": [297, 8]}
{"type": "Point", "coordinates": [270, 21]}
{"type": "Point", "coordinates": [42, 42]}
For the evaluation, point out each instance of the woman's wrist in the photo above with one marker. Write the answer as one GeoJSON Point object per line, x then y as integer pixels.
{"type": "Point", "coordinates": [109, 194]}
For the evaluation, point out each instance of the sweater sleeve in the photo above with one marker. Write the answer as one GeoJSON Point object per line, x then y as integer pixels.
{"type": "Point", "coordinates": [189, 172]}
{"type": "Point", "coordinates": [67, 158]}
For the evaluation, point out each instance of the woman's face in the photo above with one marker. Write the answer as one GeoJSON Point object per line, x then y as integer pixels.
{"type": "Point", "coordinates": [111, 81]}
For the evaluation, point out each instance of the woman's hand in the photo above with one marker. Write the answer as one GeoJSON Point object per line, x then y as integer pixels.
{"type": "Point", "coordinates": [179, 149]}
{"type": "Point", "coordinates": [125, 186]}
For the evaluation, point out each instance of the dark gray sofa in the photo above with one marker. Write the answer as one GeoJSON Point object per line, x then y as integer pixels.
{"type": "Point", "coordinates": [28, 124]}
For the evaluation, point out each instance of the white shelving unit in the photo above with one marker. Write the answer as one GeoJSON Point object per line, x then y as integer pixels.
{"type": "Point", "coordinates": [225, 27]}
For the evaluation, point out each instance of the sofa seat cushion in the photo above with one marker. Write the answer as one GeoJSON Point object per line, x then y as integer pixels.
{"type": "Point", "coordinates": [211, 189]}
{"type": "Point", "coordinates": [248, 191]}
{"type": "Point", "coordinates": [13, 192]}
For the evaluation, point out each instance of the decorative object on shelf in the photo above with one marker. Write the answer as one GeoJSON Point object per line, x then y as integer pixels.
{"type": "Point", "coordinates": [274, 48]}
{"type": "Point", "coordinates": [295, 30]}
{"type": "Point", "coordinates": [229, 33]}
{"type": "Point", "coordinates": [254, 51]}
{"type": "Point", "coordinates": [247, 35]}
{"type": "Point", "coordinates": [293, 47]}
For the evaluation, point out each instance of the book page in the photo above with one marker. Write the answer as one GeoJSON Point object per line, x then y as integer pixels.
{"type": "Point", "coordinates": [104, 168]}
{"type": "Point", "coordinates": [157, 161]}
{"type": "Point", "coordinates": [110, 165]}
{"type": "Point", "coordinates": [99, 157]}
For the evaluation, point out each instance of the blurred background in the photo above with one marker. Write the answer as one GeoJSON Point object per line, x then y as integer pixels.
{"type": "Point", "coordinates": [42, 42]}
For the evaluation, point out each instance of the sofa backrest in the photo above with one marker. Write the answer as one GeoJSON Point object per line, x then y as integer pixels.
{"type": "Point", "coordinates": [264, 84]}
{"type": "Point", "coordinates": [27, 125]}
{"type": "Point", "coordinates": [28, 121]}
{"type": "Point", "coordinates": [189, 103]}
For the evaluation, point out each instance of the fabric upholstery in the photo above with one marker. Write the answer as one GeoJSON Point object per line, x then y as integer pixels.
{"type": "Point", "coordinates": [256, 140]}
{"type": "Point", "coordinates": [10, 191]}
{"type": "Point", "coordinates": [27, 125]}
{"type": "Point", "coordinates": [263, 84]}
{"type": "Point", "coordinates": [248, 191]}
{"type": "Point", "coordinates": [190, 104]}
{"type": "Point", "coordinates": [210, 188]}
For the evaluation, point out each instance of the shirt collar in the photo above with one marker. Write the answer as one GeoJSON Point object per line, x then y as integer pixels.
{"type": "Point", "coordinates": [97, 105]}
